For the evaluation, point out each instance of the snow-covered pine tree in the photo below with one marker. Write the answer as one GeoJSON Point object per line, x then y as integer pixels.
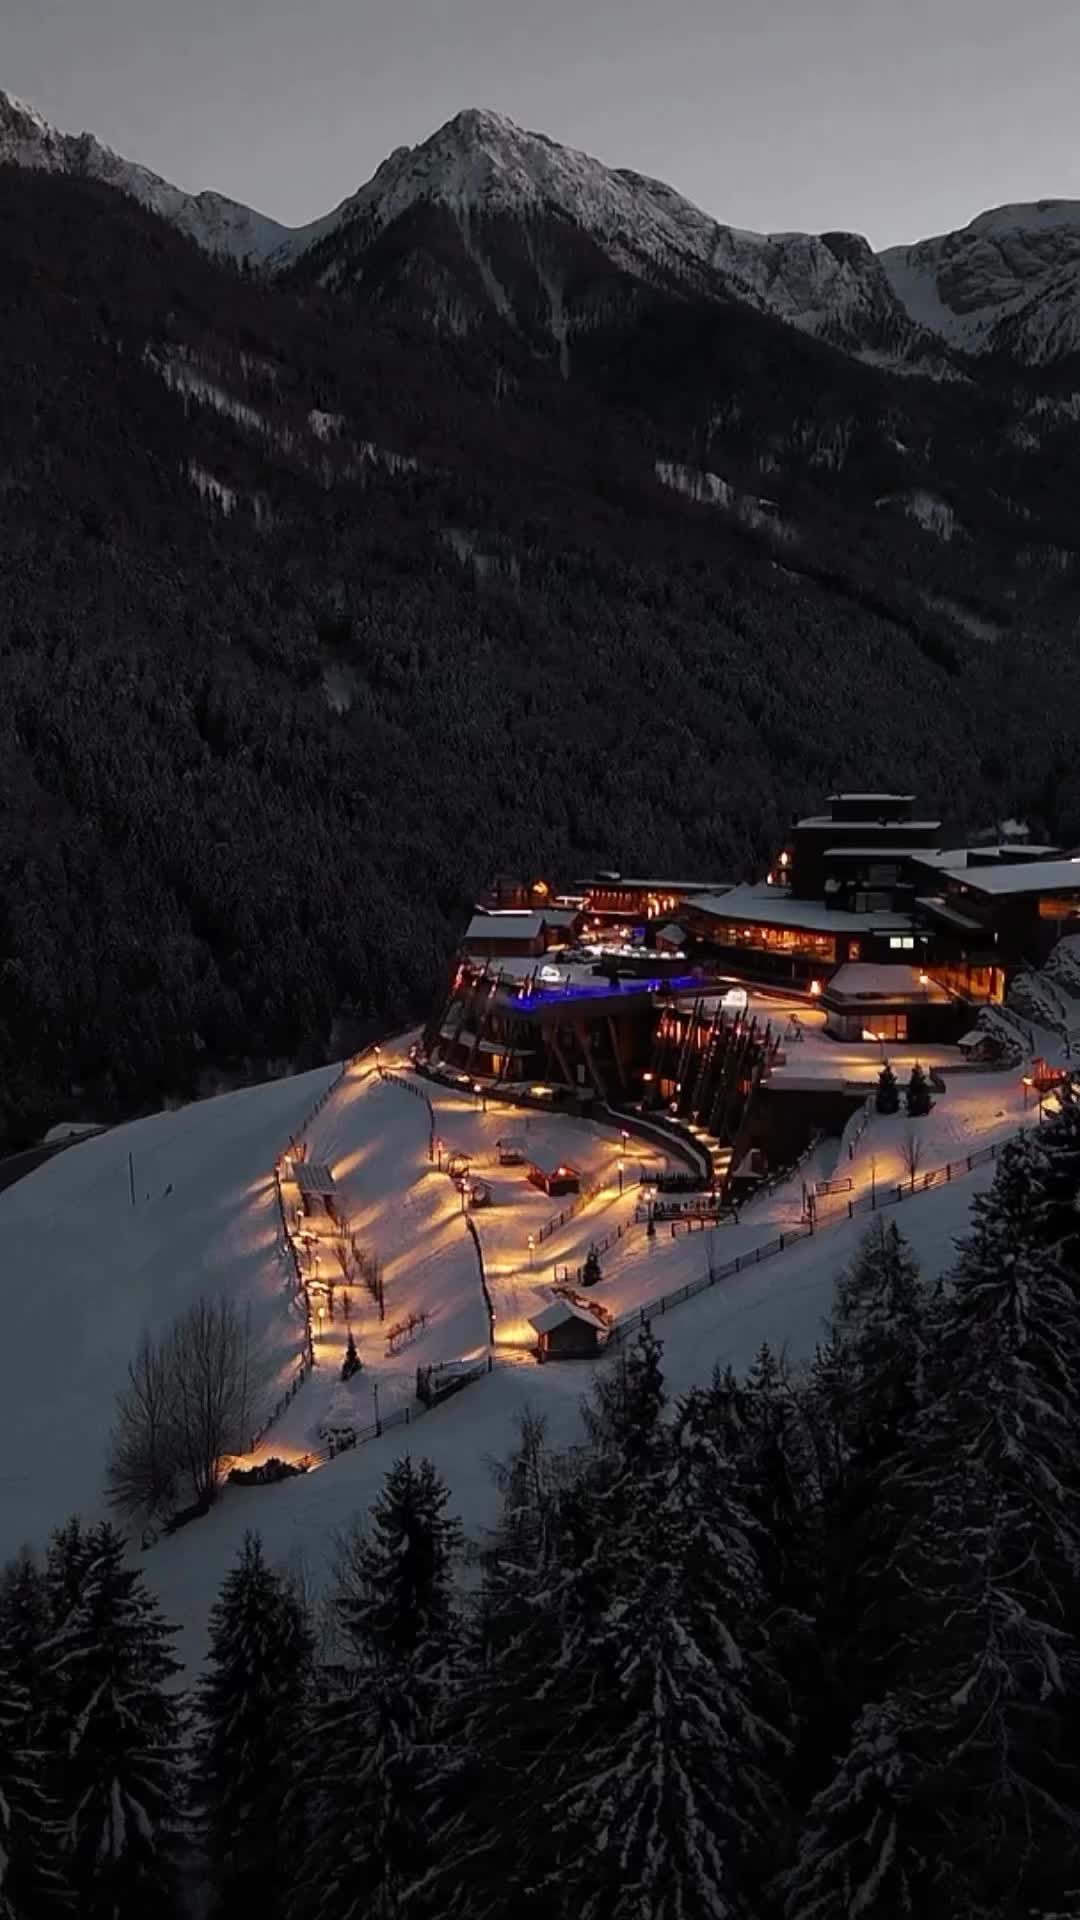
{"type": "Point", "coordinates": [879, 1314]}
{"type": "Point", "coordinates": [32, 1882]}
{"type": "Point", "coordinates": [488, 1843]}
{"type": "Point", "coordinates": [986, 1674]}
{"type": "Point", "coordinates": [1003, 1371]}
{"type": "Point", "coordinates": [1053, 1171]}
{"type": "Point", "coordinates": [862, 1397]}
{"type": "Point", "coordinates": [65, 1564]}
{"type": "Point", "coordinates": [120, 1780]}
{"type": "Point", "coordinates": [530, 1481]}
{"type": "Point", "coordinates": [623, 1416]}
{"type": "Point", "coordinates": [656, 1792]}
{"type": "Point", "coordinates": [851, 1857]}
{"type": "Point", "coordinates": [395, 1596]}
{"type": "Point", "coordinates": [762, 1423]}
{"type": "Point", "coordinates": [24, 1629]}
{"type": "Point", "coordinates": [771, 1443]}
{"type": "Point", "coordinates": [887, 1096]}
{"type": "Point", "coordinates": [918, 1099]}
{"type": "Point", "coordinates": [370, 1762]}
{"type": "Point", "coordinates": [252, 1705]}
{"type": "Point", "coordinates": [591, 1274]}
{"type": "Point", "coordinates": [351, 1362]}
{"type": "Point", "coordinates": [553, 1581]}
{"type": "Point", "coordinates": [953, 1797]}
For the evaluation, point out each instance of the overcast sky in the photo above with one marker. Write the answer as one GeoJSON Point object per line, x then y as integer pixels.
{"type": "Point", "coordinates": [896, 118]}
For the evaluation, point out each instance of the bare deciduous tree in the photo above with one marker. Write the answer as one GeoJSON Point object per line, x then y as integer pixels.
{"type": "Point", "coordinates": [143, 1467]}
{"type": "Point", "coordinates": [912, 1156]}
{"type": "Point", "coordinates": [183, 1411]}
{"type": "Point", "coordinates": [208, 1365]}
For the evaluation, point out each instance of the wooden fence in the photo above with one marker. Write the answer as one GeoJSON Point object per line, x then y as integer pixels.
{"type": "Point", "coordinates": [307, 1353]}
{"type": "Point", "coordinates": [878, 1197]}
{"type": "Point", "coordinates": [475, 1237]}
{"type": "Point", "coordinates": [599, 1247]}
{"type": "Point", "coordinates": [891, 1194]}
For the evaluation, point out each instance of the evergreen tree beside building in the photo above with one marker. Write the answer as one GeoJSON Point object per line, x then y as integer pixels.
{"type": "Point", "coordinates": [887, 1097]}
{"type": "Point", "coordinates": [918, 1099]}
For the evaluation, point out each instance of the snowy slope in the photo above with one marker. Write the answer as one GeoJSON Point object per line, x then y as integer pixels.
{"type": "Point", "coordinates": [86, 1272]}
{"type": "Point", "coordinates": [1008, 281]}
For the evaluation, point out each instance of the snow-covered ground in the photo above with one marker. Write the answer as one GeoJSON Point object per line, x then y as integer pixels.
{"type": "Point", "coordinates": [89, 1272]}
{"type": "Point", "coordinates": [86, 1272]}
{"type": "Point", "coordinates": [785, 1301]}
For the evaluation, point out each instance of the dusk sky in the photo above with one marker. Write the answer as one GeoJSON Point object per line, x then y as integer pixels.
{"type": "Point", "coordinates": [896, 118]}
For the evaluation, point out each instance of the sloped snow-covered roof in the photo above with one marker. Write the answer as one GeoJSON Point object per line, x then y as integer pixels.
{"type": "Point", "coordinates": [505, 926]}
{"type": "Point", "coordinates": [859, 981]}
{"type": "Point", "coordinates": [1020, 876]}
{"type": "Point", "coordinates": [312, 1177]}
{"type": "Point", "coordinates": [926, 854]}
{"type": "Point", "coordinates": [860, 826]}
{"type": "Point", "coordinates": [672, 932]}
{"type": "Point", "coordinates": [774, 907]}
{"type": "Point", "coordinates": [558, 1313]}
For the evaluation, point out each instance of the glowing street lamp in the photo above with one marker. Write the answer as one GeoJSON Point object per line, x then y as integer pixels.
{"type": "Point", "coordinates": [322, 1316]}
{"type": "Point", "coordinates": [532, 1248]}
{"type": "Point", "coordinates": [620, 1173]}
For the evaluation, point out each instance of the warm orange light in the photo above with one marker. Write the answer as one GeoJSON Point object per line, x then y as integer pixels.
{"type": "Point", "coordinates": [784, 859]}
{"type": "Point", "coordinates": [924, 979]}
{"type": "Point", "coordinates": [815, 988]}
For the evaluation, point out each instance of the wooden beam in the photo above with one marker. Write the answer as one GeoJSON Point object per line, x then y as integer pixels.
{"type": "Point", "coordinates": [613, 1029]}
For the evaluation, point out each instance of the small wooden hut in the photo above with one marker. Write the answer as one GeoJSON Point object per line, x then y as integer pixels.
{"type": "Point", "coordinates": [566, 1332]}
{"type": "Point", "coordinates": [555, 1180]}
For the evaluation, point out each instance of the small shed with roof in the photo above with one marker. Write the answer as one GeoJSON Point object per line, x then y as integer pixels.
{"type": "Point", "coordinates": [566, 1332]}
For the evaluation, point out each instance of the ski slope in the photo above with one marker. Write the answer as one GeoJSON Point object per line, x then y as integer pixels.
{"type": "Point", "coordinates": [88, 1272]}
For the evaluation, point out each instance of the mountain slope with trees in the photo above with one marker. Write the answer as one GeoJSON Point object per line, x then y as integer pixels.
{"type": "Point", "coordinates": [312, 617]}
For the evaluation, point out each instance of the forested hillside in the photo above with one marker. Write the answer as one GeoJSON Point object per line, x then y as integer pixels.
{"type": "Point", "coordinates": [312, 616]}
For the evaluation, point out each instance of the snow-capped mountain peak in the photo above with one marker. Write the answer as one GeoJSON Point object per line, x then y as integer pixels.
{"type": "Point", "coordinates": [480, 166]}
{"type": "Point", "coordinates": [1009, 282]}
{"type": "Point", "coordinates": [219, 225]}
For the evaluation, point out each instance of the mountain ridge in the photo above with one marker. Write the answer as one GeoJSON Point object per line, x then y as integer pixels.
{"type": "Point", "coordinates": [1007, 283]}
